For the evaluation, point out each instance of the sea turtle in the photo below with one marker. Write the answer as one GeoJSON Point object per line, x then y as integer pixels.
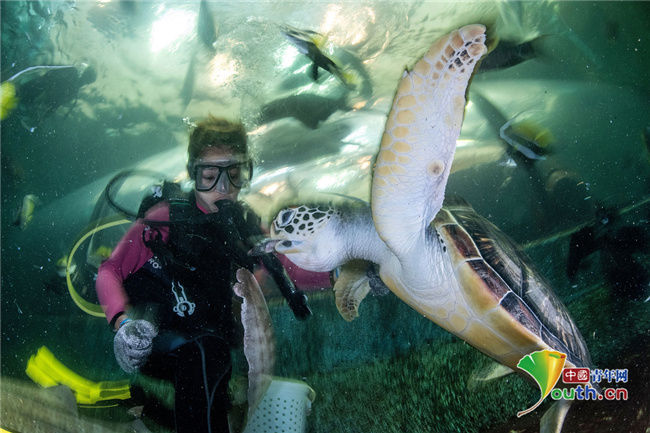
{"type": "Point", "coordinates": [448, 263]}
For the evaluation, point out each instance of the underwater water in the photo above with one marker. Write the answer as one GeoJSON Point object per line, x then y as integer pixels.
{"type": "Point", "coordinates": [554, 150]}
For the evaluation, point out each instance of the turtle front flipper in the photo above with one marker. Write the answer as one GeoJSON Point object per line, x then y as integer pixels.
{"type": "Point", "coordinates": [419, 139]}
{"type": "Point", "coordinates": [351, 287]}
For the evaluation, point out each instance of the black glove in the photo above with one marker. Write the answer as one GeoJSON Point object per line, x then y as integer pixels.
{"type": "Point", "coordinates": [298, 304]}
{"type": "Point", "coordinates": [230, 226]}
{"type": "Point", "coordinates": [297, 300]}
{"type": "Point", "coordinates": [237, 231]}
{"type": "Point", "coordinates": [133, 343]}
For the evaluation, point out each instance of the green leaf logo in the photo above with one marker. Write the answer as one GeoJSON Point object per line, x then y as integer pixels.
{"type": "Point", "coordinates": [545, 366]}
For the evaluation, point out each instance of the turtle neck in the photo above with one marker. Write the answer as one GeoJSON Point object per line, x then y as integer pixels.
{"type": "Point", "coordinates": [361, 238]}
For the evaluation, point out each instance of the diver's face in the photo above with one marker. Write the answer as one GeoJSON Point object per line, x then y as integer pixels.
{"type": "Point", "coordinates": [223, 189]}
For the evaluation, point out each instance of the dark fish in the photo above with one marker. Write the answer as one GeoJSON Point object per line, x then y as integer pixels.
{"type": "Point", "coordinates": [187, 91]}
{"type": "Point", "coordinates": [39, 8]}
{"type": "Point", "coordinates": [528, 147]}
{"type": "Point", "coordinates": [508, 54]}
{"type": "Point", "coordinates": [527, 142]}
{"type": "Point", "coordinates": [128, 6]}
{"type": "Point", "coordinates": [310, 44]}
{"type": "Point", "coordinates": [205, 26]}
{"type": "Point", "coordinates": [308, 109]}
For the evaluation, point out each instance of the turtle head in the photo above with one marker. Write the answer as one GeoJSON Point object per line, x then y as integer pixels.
{"type": "Point", "coordinates": [309, 237]}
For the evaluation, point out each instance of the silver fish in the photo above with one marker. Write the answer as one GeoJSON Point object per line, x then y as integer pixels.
{"type": "Point", "coordinates": [259, 341]}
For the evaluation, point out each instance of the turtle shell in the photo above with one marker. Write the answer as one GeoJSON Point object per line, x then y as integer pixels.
{"type": "Point", "coordinates": [500, 270]}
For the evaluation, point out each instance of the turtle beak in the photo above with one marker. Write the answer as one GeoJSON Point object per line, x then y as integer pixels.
{"type": "Point", "coordinates": [288, 247]}
{"type": "Point", "coordinates": [263, 247]}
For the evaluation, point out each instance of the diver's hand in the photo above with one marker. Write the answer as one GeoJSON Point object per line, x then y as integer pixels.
{"type": "Point", "coordinates": [132, 344]}
{"type": "Point", "coordinates": [298, 304]}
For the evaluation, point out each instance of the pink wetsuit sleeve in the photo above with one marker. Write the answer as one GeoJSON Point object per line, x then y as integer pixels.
{"type": "Point", "coordinates": [129, 255]}
{"type": "Point", "coordinates": [303, 279]}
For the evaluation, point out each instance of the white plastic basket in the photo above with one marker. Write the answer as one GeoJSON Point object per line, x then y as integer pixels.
{"type": "Point", "coordinates": [283, 409]}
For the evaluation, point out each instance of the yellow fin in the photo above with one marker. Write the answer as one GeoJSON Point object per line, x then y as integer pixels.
{"type": "Point", "coordinates": [9, 99]}
{"type": "Point", "coordinates": [533, 131]}
{"type": "Point", "coordinates": [319, 40]}
{"type": "Point", "coordinates": [46, 370]}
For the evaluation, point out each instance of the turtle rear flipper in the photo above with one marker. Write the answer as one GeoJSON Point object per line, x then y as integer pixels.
{"type": "Point", "coordinates": [553, 418]}
{"type": "Point", "coordinates": [487, 374]}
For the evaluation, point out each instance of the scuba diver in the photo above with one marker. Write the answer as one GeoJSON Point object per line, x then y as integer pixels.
{"type": "Point", "coordinates": [166, 288]}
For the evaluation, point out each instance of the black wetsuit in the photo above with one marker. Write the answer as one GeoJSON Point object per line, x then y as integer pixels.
{"type": "Point", "coordinates": [186, 289]}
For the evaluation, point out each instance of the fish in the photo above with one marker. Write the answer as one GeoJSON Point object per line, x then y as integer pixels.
{"type": "Point", "coordinates": [39, 8]}
{"type": "Point", "coordinates": [9, 99]}
{"type": "Point", "coordinates": [307, 108]}
{"type": "Point", "coordinates": [25, 212]}
{"type": "Point", "coordinates": [526, 141]}
{"type": "Point", "coordinates": [103, 252]}
{"type": "Point", "coordinates": [62, 266]}
{"type": "Point", "coordinates": [205, 27]}
{"type": "Point", "coordinates": [207, 34]}
{"type": "Point", "coordinates": [259, 341]}
{"type": "Point", "coordinates": [310, 44]}
{"type": "Point", "coordinates": [187, 91]}
{"type": "Point", "coordinates": [507, 54]}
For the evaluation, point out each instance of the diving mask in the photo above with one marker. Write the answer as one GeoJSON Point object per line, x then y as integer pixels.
{"type": "Point", "coordinates": [207, 175]}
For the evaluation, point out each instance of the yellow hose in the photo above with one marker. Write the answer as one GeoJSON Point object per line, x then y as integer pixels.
{"type": "Point", "coordinates": [87, 307]}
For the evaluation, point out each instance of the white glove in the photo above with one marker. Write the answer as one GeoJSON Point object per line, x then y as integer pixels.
{"type": "Point", "coordinates": [132, 344]}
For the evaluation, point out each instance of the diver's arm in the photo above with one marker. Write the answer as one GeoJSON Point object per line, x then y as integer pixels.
{"type": "Point", "coordinates": [110, 292]}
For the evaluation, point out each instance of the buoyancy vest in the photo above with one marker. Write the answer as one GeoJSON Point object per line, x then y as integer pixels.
{"type": "Point", "coordinates": [186, 285]}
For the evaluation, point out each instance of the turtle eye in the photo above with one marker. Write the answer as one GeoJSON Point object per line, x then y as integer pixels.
{"type": "Point", "coordinates": [284, 217]}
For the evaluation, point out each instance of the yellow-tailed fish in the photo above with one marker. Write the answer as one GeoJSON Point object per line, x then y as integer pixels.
{"type": "Point", "coordinates": [62, 264]}
{"type": "Point", "coordinates": [25, 212]}
{"type": "Point", "coordinates": [9, 99]}
{"type": "Point", "coordinates": [311, 44]}
{"type": "Point", "coordinates": [103, 252]}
